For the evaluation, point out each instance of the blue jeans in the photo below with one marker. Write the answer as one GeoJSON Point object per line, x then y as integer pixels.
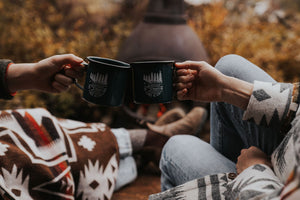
{"type": "Point", "coordinates": [185, 157]}
{"type": "Point", "coordinates": [127, 166]}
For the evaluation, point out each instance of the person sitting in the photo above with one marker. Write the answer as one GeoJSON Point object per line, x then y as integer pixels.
{"type": "Point", "coordinates": [254, 150]}
{"type": "Point", "coordinates": [45, 157]}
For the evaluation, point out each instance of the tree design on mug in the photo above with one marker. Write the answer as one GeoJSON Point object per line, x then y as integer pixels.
{"type": "Point", "coordinates": [153, 84]}
{"type": "Point", "coordinates": [98, 84]}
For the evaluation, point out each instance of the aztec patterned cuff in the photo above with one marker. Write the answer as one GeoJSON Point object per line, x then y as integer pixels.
{"type": "Point", "coordinates": [205, 188]}
{"type": "Point", "coordinates": [256, 180]}
{"type": "Point", "coordinates": [4, 93]}
{"type": "Point", "coordinates": [271, 104]}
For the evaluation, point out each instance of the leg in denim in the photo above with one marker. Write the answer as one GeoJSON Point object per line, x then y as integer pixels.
{"type": "Point", "coordinates": [229, 134]}
{"type": "Point", "coordinates": [186, 157]}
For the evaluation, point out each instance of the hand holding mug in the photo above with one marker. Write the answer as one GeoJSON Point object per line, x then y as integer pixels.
{"type": "Point", "coordinates": [45, 75]}
{"type": "Point", "coordinates": [106, 81]}
{"type": "Point", "coordinates": [199, 81]}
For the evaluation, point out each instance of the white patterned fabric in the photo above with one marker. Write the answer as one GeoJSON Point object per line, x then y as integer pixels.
{"type": "Point", "coordinates": [42, 157]}
{"type": "Point", "coordinates": [270, 105]}
{"type": "Point", "coordinates": [269, 101]}
{"type": "Point", "coordinates": [208, 187]}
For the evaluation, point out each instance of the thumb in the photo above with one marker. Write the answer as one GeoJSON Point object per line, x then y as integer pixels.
{"type": "Point", "coordinates": [64, 59]}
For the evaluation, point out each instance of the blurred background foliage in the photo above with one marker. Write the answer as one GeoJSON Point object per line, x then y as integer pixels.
{"type": "Point", "coordinates": [31, 31]}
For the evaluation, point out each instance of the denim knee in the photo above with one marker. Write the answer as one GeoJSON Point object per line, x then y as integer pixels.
{"type": "Point", "coordinates": [172, 170]}
{"type": "Point", "coordinates": [187, 157]}
{"type": "Point", "coordinates": [169, 149]}
{"type": "Point", "coordinates": [241, 68]}
{"type": "Point", "coordinates": [228, 63]}
{"type": "Point", "coordinates": [172, 154]}
{"type": "Point", "coordinates": [165, 165]}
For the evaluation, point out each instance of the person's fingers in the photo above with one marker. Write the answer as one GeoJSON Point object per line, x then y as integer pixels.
{"type": "Point", "coordinates": [254, 148]}
{"type": "Point", "coordinates": [190, 65]}
{"type": "Point", "coordinates": [70, 72]}
{"type": "Point", "coordinates": [64, 80]}
{"type": "Point", "coordinates": [65, 59]}
{"type": "Point", "coordinates": [184, 72]}
{"type": "Point", "coordinates": [181, 86]}
{"type": "Point", "coordinates": [243, 151]}
{"type": "Point", "coordinates": [185, 79]}
{"type": "Point", "coordinates": [77, 67]}
{"type": "Point", "coordinates": [58, 87]}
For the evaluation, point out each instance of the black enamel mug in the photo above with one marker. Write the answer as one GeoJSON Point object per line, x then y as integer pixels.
{"type": "Point", "coordinates": [152, 81]}
{"type": "Point", "coordinates": [105, 82]}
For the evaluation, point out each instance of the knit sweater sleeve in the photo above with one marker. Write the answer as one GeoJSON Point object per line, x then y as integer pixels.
{"type": "Point", "coordinates": [4, 93]}
{"type": "Point", "coordinates": [273, 104]}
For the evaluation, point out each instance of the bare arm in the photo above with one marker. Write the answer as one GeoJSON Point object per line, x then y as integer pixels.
{"type": "Point", "coordinates": [45, 75]}
{"type": "Point", "coordinates": [200, 81]}
{"type": "Point", "coordinates": [237, 92]}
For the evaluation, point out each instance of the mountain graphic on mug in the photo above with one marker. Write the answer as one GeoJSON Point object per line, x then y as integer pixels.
{"type": "Point", "coordinates": [98, 84]}
{"type": "Point", "coordinates": [153, 84]}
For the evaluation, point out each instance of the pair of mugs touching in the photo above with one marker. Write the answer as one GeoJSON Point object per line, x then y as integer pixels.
{"type": "Point", "coordinates": [107, 79]}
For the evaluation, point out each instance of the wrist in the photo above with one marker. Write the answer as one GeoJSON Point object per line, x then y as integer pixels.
{"type": "Point", "coordinates": [237, 92]}
{"type": "Point", "coordinates": [4, 92]}
{"type": "Point", "coordinates": [12, 93]}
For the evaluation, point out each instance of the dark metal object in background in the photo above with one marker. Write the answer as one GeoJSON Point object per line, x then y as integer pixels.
{"type": "Point", "coordinates": [163, 35]}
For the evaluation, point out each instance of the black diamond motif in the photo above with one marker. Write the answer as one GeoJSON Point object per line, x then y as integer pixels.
{"type": "Point", "coordinates": [270, 187]}
{"type": "Point", "coordinates": [261, 95]}
{"type": "Point", "coordinates": [259, 168]}
{"type": "Point", "coordinates": [109, 184]}
{"type": "Point", "coordinates": [94, 184]}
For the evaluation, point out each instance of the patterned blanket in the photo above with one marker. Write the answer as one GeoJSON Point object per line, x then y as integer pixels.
{"type": "Point", "coordinates": [42, 157]}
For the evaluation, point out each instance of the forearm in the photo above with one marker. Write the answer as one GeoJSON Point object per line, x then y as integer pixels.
{"type": "Point", "coordinates": [237, 92]}
{"type": "Point", "coordinates": [20, 76]}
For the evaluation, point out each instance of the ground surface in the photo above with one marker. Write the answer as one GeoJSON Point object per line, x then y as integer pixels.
{"type": "Point", "coordinates": [140, 189]}
{"type": "Point", "coordinates": [148, 181]}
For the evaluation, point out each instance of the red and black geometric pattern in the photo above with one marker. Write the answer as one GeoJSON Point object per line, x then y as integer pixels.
{"type": "Point", "coordinates": [42, 157]}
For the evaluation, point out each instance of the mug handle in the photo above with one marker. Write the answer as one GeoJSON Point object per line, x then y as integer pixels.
{"type": "Point", "coordinates": [75, 80]}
